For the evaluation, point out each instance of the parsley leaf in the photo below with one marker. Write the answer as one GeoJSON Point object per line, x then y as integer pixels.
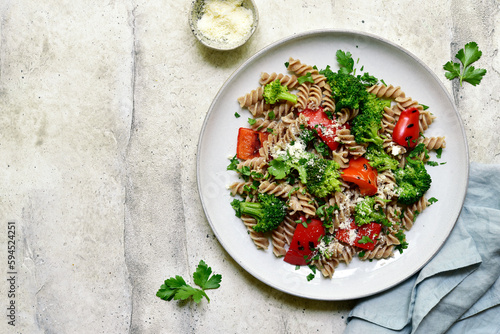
{"type": "Point", "coordinates": [439, 152]}
{"type": "Point", "coordinates": [432, 200]}
{"type": "Point", "coordinates": [167, 291]}
{"type": "Point", "coordinates": [453, 70]}
{"type": "Point", "coordinates": [271, 115]}
{"type": "Point", "coordinates": [186, 291]}
{"type": "Point", "coordinates": [202, 277]}
{"type": "Point", "coordinates": [345, 61]}
{"type": "Point", "coordinates": [278, 168]}
{"type": "Point", "coordinates": [293, 190]}
{"type": "Point", "coordinates": [473, 75]}
{"type": "Point", "coordinates": [176, 287]}
{"type": "Point", "coordinates": [468, 55]}
{"type": "Point", "coordinates": [402, 241]}
{"type": "Point", "coordinates": [367, 79]}
{"type": "Point", "coordinates": [305, 78]}
{"type": "Point", "coordinates": [322, 148]}
{"type": "Point", "coordinates": [233, 165]}
{"type": "Point", "coordinates": [313, 274]}
{"type": "Point", "coordinates": [365, 239]}
{"type": "Point", "coordinates": [432, 163]}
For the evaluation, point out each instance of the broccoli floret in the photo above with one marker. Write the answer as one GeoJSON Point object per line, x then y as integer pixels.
{"type": "Point", "coordinates": [269, 211]}
{"type": "Point", "coordinates": [282, 166]}
{"type": "Point", "coordinates": [379, 158]}
{"type": "Point", "coordinates": [366, 125]}
{"type": "Point", "coordinates": [275, 91]}
{"type": "Point", "coordinates": [347, 90]}
{"type": "Point", "coordinates": [412, 181]}
{"type": "Point", "coordinates": [300, 166]}
{"type": "Point", "coordinates": [322, 176]}
{"type": "Point", "coordinates": [365, 212]}
{"type": "Point", "coordinates": [294, 157]}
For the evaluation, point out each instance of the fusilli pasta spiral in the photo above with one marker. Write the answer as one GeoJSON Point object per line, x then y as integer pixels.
{"type": "Point", "coordinates": [289, 134]}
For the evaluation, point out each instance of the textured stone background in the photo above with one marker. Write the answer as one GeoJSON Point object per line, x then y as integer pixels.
{"type": "Point", "coordinates": [101, 106]}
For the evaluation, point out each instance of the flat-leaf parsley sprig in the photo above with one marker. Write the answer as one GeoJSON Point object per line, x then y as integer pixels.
{"type": "Point", "coordinates": [468, 55]}
{"type": "Point", "coordinates": [176, 287]}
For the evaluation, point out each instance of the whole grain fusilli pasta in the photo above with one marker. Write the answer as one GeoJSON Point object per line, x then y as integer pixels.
{"type": "Point", "coordinates": [251, 98]}
{"type": "Point", "coordinates": [291, 143]}
{"type": "Point", "coordinates": [278, 189]}
{"type": "Point", "coordinates": [380, 251]}
{"type": "Point", "coordinates": [300, 69]}
{"type": "Point", "coordinates": [432, 143]}
{"type": "Point", "coordinates": [278, 239]}
{"type": "Point", "coordinates": [260, 240]}
{"type": "Point", "coordinates": [386, 92]}
{"type": "Point", "coordinates": [411, 212]}
{"type": "Point", "coordinates": [289, 81]}
{"type": "Point", "coordinates": [347, 139]}
{"type": "Point", "coordinates": [303, 96]}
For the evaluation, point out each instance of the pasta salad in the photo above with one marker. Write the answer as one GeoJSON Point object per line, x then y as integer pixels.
{"type": "Point", "coordinates": [332, 165]}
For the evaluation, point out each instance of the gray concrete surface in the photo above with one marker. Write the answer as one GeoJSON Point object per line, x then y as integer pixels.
{"type": "Point", "coordinates": [101, 106]}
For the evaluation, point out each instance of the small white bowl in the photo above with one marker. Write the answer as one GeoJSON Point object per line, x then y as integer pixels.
{"type": "Point", "coordinates": [196, 13]}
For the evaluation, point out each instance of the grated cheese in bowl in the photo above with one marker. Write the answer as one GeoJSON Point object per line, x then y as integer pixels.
{"type": "Point", "coordinates": [223, 24]}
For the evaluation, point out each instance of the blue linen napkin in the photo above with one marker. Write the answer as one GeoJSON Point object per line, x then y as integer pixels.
{"type": "Point", "coordinates": [458, 291]}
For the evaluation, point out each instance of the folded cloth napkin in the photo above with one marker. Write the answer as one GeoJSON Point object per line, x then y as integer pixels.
{"type": "Point", "coordinates": [458, 291]}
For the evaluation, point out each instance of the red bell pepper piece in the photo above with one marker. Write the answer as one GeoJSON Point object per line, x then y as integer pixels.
{"type": "Point", "coordinates": [371, 231]}
{"type": "Point", "coordinates": [407, 129]}
{"type": "Point", "coordinates": [327, 128]}
{"type": "Point", "coordinates": [361, 173]}
{"type": "Point", "coordinates": [304, 240]}
{"type": "Point", "coordinates": [249, 143]}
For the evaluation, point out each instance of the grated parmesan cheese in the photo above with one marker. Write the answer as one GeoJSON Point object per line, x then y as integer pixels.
{"type": "Point", "coordinates": [396, 150]}
{"type": "Point", "coordinates": [322, 247]}
{"type": "Point", "coordinates": [352, 236]}
{"type": "Point", "coordinates": [225, 21]}
{"type": "Point", "coordinates": [296, 150]}
{"type": "Point", "coordinates": [344, 225]}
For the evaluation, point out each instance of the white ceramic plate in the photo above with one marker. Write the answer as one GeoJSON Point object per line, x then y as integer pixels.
{"type": "Point", "coordinates": [385, 61]}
